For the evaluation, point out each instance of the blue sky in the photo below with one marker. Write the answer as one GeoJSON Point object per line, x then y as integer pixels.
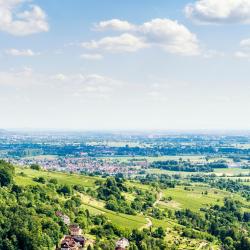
{"type": "Point", "coordinates": [125, 64]}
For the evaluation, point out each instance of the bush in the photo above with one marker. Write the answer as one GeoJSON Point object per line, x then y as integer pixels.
{"type": "Point", "coordinates": [35, 167]}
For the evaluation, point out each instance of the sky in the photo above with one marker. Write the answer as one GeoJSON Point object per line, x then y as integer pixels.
{"type": "Point", "coordinates": [125, 64]}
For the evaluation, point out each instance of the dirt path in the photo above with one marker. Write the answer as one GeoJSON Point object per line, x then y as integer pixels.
{"type": "Point", "coordinates": [149, 224]}
{"type": "Point", "coordinates": [159, 197]}
{"type": "Point", "coordinates": [149, 221]}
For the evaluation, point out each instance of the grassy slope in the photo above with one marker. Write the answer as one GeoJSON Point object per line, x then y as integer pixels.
{"type": "Point", "coordinates": [94, 206]}
{"type": "Point", "coordinates": [63, 178]}
{"type": "Point", "coordinates": [193, 200]}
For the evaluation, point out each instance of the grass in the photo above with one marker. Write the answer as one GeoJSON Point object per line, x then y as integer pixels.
{"type": "Point", "coordinates": [231, 171]}
{"type": "Point", "coordinates": [118, 219]}
{"type": "Point", "coordinates": [163, 171]}
{"type": "Point", "coordinates": [193, 199]}
{"type": "Point", "coordinates": [218, 172]}
{"type": "Point", "coordinates": [62, 178]}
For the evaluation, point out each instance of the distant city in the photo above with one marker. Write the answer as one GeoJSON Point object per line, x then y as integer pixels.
{"type": "Point", "coordinates": [126, 153]}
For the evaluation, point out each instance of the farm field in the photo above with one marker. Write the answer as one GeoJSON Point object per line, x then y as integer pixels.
{"type": "Point", "coordinates": [194, 199]}
{"type": "Point", "coordinates": [219, 172]}
{"type": "Point", "coordinates": [231, 171]}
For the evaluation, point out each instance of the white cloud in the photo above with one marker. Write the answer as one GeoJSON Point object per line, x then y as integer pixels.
{"type": "Point", "coordinates": [171, 36]}
{"type": "Point", "coordinates": [114, 24]}
{"type": "Point", "coordinates": [87, 85]}
{"type": "Point", "coordinates": [245, 43]}
{"type": "Point", "coordinates": [219, 11]}
{"type": "Point", "coordinates": [164, 33]}
{"type": "Point", "coordinates": [21, 23]}
{"type": "Point", "coordinates": [92, 56]}
{"type": "Point", "coordinates": [123, 43]}
{"type": "Point", "coordinates": [24, 52]}
{"type": "Point", "coordinates": [244, 52]}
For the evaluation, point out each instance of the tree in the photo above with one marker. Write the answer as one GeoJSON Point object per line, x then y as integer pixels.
{"type": "Point", "coordinates": [65, 189]}
{"type": "Point", "coordinates": [40, 179]}
{"type": "Point", "coordinates": [35, 167]}
{"type": "Point", "coordinates": [6, 173]}
{"type": "Point", "coordinates": [159, 233]}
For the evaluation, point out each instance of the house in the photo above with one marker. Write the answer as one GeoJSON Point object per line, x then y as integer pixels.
{"type": "Point", "coordinates": [75, 230]}
{"type": "Point", "coordinates": [80, 240]}
{"type": "Point", "coordinates": [122, 244]}
{"type": "Point", "coordinates": [69, 243]}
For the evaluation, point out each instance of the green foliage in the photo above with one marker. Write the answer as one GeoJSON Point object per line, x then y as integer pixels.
{"type": "Point", "coordinates": [35, 167]}
{"type": "Point", "coordinates": [6, 173]}
{"type": "Point", "coordinates": [65, 189]}
{"type": "Point", "coordinates": [40, 179]}
{"type": "Point", "coordinates": [111, 192]}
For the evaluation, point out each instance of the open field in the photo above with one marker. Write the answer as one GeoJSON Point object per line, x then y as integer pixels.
{"type": "Point", "coordinates": [218, 172]}
{"type": "Point", "coordinates": [194, 199]}
{"type": "Point", "coordinates": [231, 171]}
{"type": "Point", "coordinates": [63, 178]}
{"type": "Point", "coordinates": [163, 171]}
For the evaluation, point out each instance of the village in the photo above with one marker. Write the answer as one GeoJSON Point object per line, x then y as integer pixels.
{"type": "Point", "coordinates": [84, 165]}
{"type": "Point", "coordinates": [75, 240]}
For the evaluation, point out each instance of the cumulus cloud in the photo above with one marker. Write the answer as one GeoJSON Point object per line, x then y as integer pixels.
{"type": "Point", "coordinates": [171, 36]}
{"type": "Point", "coordinates": [115, 24]}
{"type": "Point", "coordinates": [245, 43]}
{"type": "Point", "coordinates": [23, 52]}
{"type": "Point", "coordinates": [167, 34]}
{"type": "Point", "coordinates": [219, 11]}
{"type": "Point", "coordinates": [21, 23]}
{"type": "Point", "coordinates": [125, 42]}
{"type": "Point", "coordinates": [244, 52]}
